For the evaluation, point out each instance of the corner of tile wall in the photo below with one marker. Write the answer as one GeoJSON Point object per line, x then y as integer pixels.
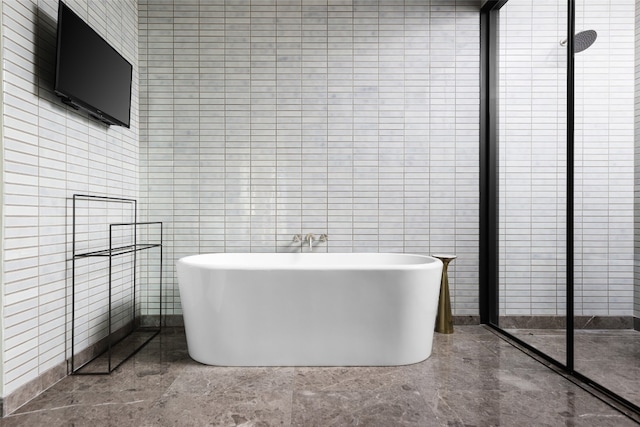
{"type": "Point", "coordinates": [51, 152]}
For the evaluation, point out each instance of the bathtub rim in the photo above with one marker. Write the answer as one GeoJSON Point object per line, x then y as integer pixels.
{"type": "Point", "coordinates": [191, 261]}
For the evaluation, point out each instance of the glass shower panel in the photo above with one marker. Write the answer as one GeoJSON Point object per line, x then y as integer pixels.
{"type": "Point", "coordinates": [607, 349]}
{"type": "Point", "coordinates": [532, 86]}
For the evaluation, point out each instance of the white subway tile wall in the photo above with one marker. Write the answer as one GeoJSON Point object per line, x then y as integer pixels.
{"type": "Point", "coordinates": [605, 159]}
{"type": "Point", "coordinates": [533, 159]}
{"type": "Point", "coordinates": [51, 152]}
{"type": "Point", "coordinates": [532, 135]}
{"type": "Point", "coordinates": [261, 120]}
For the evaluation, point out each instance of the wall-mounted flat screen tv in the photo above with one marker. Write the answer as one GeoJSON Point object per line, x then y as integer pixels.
{"type": "Point", "coordinates": [90, 74]}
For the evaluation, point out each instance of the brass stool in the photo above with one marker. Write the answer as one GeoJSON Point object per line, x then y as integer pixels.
{"type": "Point", "coordinates": [444, 321]}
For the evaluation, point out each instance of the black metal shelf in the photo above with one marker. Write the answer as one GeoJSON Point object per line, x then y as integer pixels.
{"type": "Point", "coordinates": [121, 250]}
{"type": "Point", "coordinates": [127, 341]}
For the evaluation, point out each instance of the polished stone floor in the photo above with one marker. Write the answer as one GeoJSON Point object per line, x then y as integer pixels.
{"type": "Point", "coordinates": [610, 357]}
{"type": "Point", "coordinates": [473, 378]}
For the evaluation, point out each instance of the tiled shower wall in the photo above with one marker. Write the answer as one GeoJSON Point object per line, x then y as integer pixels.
{"type": "Point", "coordinates": [532, 135]}
{"type": "Point", "coordinates": [604, 141]}
{"type": "Point", "coordinates": [51, 152]}
{"type": "Point", "coordinates": [359, 119]}
{"type": "Point", "coordinates": [533, 159]}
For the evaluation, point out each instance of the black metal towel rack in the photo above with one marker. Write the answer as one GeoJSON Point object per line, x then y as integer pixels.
{"type": "Point", "coordinates": [104, 349]}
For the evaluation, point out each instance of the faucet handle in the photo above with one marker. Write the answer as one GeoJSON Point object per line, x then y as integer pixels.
{"type": "Point", "coordinates": [297, 237]}
{"type": "Point", "coordinates": [324, 237]}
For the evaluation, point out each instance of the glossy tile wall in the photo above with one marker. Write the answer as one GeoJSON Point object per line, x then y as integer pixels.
{"type": "Point", "coordinates": [604, 139]}
{"type": "Point", "coordinates": [533, 159]}
{"type": "Point", "coordinates": [49, 153]}
{"type": "Point", "coordinates": [532, 126]}
{"type": "Point", "coordinates": [260, 120]}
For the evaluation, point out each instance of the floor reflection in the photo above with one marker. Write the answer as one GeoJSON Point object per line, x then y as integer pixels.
{"type": "Point", "coordinates": [609, 357]}
{"type": "Point", "coordinates": [473, 378]}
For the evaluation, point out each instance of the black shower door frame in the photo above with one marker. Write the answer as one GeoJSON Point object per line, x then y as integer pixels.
{"type": "Point", "coordinates": [489, 214]}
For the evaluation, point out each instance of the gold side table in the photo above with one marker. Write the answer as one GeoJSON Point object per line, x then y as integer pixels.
{"type": "Point", "coordinates": [444, 321]}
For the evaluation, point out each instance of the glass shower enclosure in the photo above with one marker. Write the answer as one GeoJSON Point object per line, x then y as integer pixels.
{"type": "Point", "coordinates": [557, 239]}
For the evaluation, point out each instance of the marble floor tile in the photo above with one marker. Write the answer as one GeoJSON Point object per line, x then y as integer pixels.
{"type": "Point", "coordinates": [473, 378]}
{"type": "Point", "coordinates": [401, 406]}
{"type": "Point", "coordinates": [96, 415]}
{"type": "Point", "coordinates": [349, 378]}
{"type": "Point", "coordinates": [240, 407]}
{"type": "Point", "coordinates": [513, 408]}
{"type": "Point", "coordinates": [609, 357]}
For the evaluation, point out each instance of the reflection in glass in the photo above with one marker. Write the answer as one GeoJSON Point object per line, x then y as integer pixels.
{"type": "Point", "coordinates": [532, 173]}
{"type": "Point", "coordinates": [607, 349]}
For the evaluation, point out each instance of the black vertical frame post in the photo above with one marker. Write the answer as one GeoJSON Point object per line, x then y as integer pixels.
{"type": "Point", "coordinates": [110, 294]}
{"type": "Point", "coordinates": [73, 282]}
{"type": "Point", "coordinates": [135, 261]}
{"type": "Point", "coordinates": [571, 23]}
{"type": "Point", "coordinates": [160, 300]}
{"type": "Point", "coordinates": [488, 257]}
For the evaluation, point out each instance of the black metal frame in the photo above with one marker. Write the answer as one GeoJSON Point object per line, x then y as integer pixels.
{"type": "Point", "coordinates": [489, 279]}
{"type": "Point", "coordinates": [110, 253]}
{"type": "Point", "coordinates": [488, 269]}
{"type": "Point", "coordinates": [571, 26]}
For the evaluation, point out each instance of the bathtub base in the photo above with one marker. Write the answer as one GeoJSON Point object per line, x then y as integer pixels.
{"type": "Point", "coordinates": [311, 317]}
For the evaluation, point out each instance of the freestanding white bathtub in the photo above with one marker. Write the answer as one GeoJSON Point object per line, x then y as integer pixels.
{"type": "Point", "coordinates": [305, 309]}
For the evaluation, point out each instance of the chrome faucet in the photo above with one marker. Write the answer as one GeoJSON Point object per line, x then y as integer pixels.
{"type": "Point", "coordinates": [310, 238]}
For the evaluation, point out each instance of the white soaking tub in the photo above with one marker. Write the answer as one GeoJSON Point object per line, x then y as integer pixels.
{"type": "Point", "coordinates": [305, 309]}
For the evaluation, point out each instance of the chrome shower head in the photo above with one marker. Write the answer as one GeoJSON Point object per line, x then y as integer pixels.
{"type": "Point", "coordinates": [582, 40]}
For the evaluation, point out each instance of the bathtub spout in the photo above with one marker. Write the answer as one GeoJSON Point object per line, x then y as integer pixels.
{"type": "Point", "coordinates": [310, 238]}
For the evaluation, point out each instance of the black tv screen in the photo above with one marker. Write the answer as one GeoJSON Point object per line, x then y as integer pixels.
{"type": "Point", "coordinates": [90, 74]}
